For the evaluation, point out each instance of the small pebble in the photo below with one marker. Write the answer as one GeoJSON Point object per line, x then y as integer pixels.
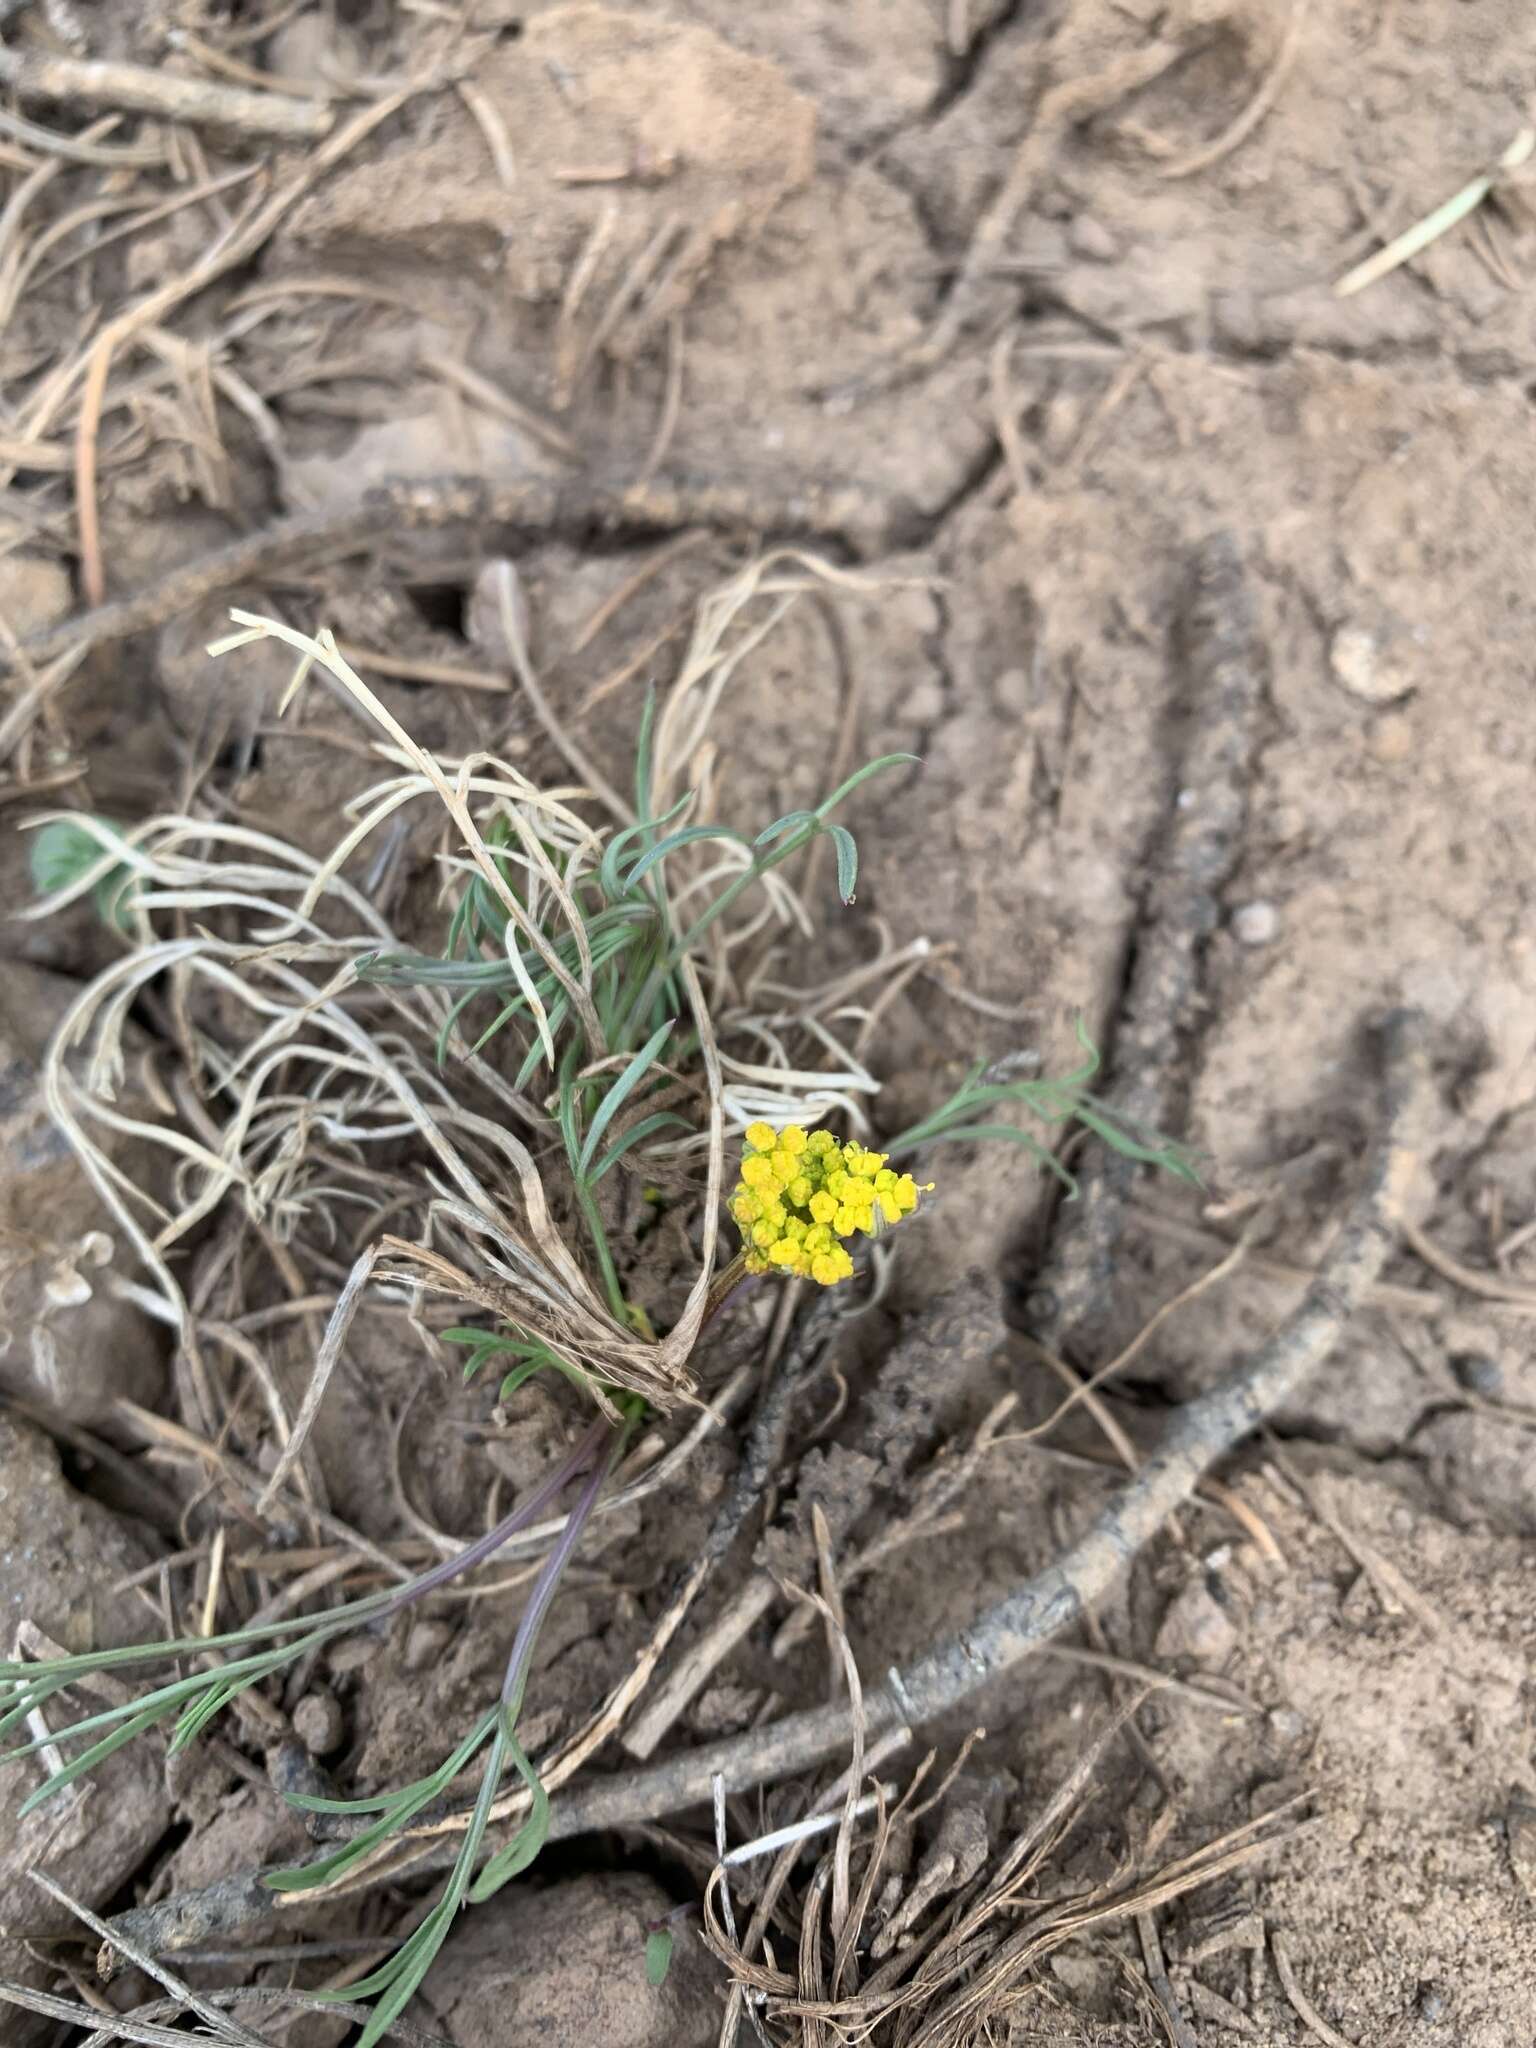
{"type": "Point", "coordinates": [1360, 666]}
{"type": "Point", "coordinates": [1196, 1625]}
{"type": "Point", "coordinates": [425, 1644]}
{"type": "Point", "coordinates": [1286, 1725]}
{"type": "Point", "coordinates": [319, 1723]}
{"type": "Point", "coordinates": [1256, 924]}
{"type": "Point", "coordinates": [1479, 1374]}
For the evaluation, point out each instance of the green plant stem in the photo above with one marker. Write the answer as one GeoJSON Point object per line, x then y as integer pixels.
{"type": "Point", "coordinates": [784, 851]}
{"type": "Point", "coordinates": [723, 1286]}
{"type": "Point", "coordinates": [594, 1222]}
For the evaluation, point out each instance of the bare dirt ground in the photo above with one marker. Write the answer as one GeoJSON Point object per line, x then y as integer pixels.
{"type": "Point", "coordinates": [1010, 307]}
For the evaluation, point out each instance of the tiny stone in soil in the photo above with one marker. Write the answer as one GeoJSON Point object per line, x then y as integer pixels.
{"type": "Point", "coordinates": [319, 1723]}
{"type": "Point", "coordinates": [1256, 924]}
{"type": "Point", "coordinates": [1479, 1374]}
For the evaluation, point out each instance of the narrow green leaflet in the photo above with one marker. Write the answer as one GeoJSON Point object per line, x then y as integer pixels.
{"type": "Point", "coordinates": [511, 1860]}
{"type": "Point", "coordinates": [647, 1127]}
{"type": "Point", "coordinates": [609, 878]}
{"type": "Point", "coordinates": [687, 835]}
{"type": "Point", "coordinates": [790, 822]}
{"type": "Point", "coordinates": [409, 1802]}
{"type": "Point", "coordinates": [620, 1092]}
{"type": "Point", "coordinates": [644, 757]}
{"type": "Point", "coordinates": [88, 1759]}
{"type": "Point", "coordinates": [877, 767]}
{"type": "Point", "coordinates": [847, 861]}
{"type": "Point", "coordinates": [382, 1802]}
{"type": "Point", "coordinates": [658, 1956]}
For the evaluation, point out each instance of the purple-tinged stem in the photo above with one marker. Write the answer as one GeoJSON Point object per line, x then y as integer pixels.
{"type": "Point", "coordinates": [550, 1574]}
{"type": "Point", "coordinates": [525, 1512]}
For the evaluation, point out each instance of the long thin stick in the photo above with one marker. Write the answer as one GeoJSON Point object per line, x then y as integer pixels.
{"type": "Point", "coordinates": [224, 2028]}
{"type": "Point", "coordinates": [566, 508]}
{"type": "Point", "coordinates": [134, 89]}
{"type": "Point", "coordinates": [130, 2027]}
{"type": "Point", "coordinates": [1221, 667]}
{"type": "Point", "coordinates": [1306, 2011]}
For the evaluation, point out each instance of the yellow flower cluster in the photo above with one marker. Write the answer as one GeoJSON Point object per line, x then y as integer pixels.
{"type": "Point", "coordinates": [800, 1192]}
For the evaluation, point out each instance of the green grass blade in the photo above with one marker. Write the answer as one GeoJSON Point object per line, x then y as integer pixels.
{"type": "Point", "coordinates": [306, 1876]}
{"type": "Point", "coordinates": [427, 970]}
{"type": "Point", "coordinates": [401, 1963]}
{"type": "Point", "coordinates": [167, 1696]}
{"type": "Point", "coordinates": [55, 1671]}
{"type": "Point", "coordinates": [647, 1127]}
{"type": "Point", "coordinates": [644, 759]}
{"type": "Point", "coordinates": [1145, 1147]}
{"type": "Point", "coordinates": [380, 1802]}
{"type": "Point", "coordinates": [686, 835]}
{"type": "Point", "coordinates": [28, 1697]}
{"type": "Point", "coordinates": [608, 877]}
{"type": "Point", "coordinates": [563, 1366]}
{"type": "Point", "coordinates": [406, 1970]}
{"type": "Point", "coordinates": [620, 1092]}
{"type": "Point", "coordinates": [88, 1759]}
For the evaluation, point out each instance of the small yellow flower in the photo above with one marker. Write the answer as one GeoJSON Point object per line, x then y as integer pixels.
{"type": "Point", "coordinates": [800, 1192]}
{"type": "Point", "coordinates": [830, 1267]}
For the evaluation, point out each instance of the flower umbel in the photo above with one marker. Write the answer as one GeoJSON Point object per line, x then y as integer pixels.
{"type": "Point", "coordinates": [801, 1192]}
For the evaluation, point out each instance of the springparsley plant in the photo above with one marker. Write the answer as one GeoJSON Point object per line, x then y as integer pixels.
{"type": "Point", "coordinates": [615, 999]}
